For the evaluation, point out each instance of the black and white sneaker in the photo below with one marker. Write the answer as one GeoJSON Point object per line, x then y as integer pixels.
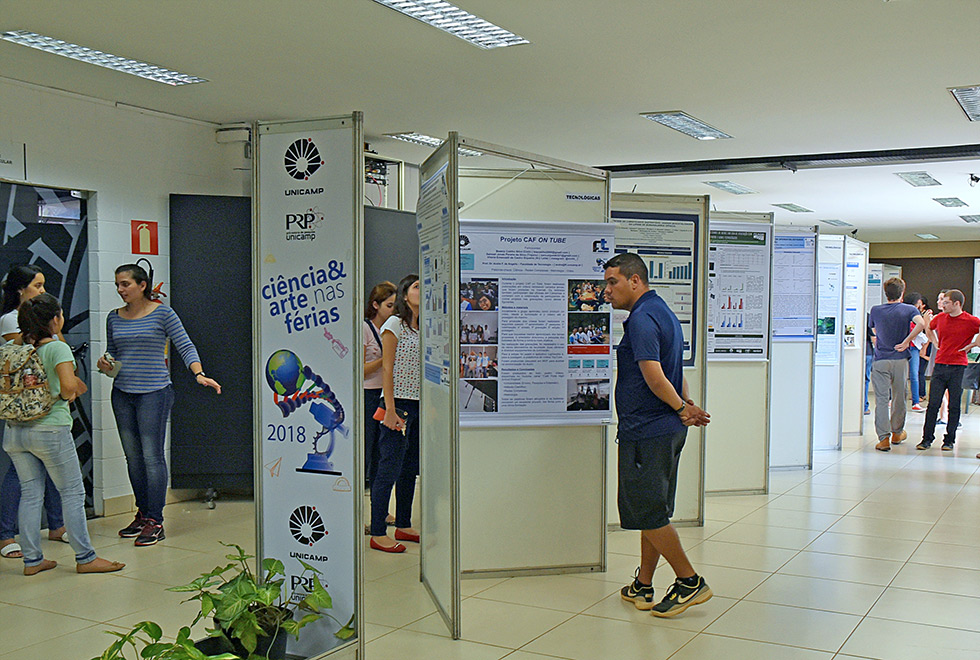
{"type": "Point", "coordinates": [680, 597]}
{"type": "Point", "coordinates": [640, 595]}
{"type": "Point", "coordinates": [133, 529]}
{"type": "Point", "coordinates": [947, 446]}
{"type": "Point", "coordinates": [922, 446]}
{"type": "Point", "coordinates": [151, 533]}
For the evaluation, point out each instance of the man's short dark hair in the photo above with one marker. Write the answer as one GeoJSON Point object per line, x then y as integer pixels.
{"type": "Point", "coordinates": [894, 288]}
{"type": "Point", "coordinates": [956, 296]}
{"type": "Point", "coordinates": [629, 264]}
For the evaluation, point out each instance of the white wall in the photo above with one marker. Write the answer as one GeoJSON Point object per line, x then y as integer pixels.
{"type": "Point", "coordinates": [132, 161]}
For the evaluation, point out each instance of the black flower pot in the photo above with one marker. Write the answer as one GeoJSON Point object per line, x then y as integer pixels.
{"type": "Point", "coordinates": [271, 646]}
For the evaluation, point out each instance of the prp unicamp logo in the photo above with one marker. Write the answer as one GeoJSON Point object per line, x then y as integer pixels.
{"type": "Point", "coordinates": [306, 525]}
{"type": "Point", "coordinates": [302, 159]}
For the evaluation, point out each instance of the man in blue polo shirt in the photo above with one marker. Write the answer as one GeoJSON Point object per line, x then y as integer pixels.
{"type": "Point", "coordinates": [654, 411]}
{"type": "Point", "coordinates": [895, 325]}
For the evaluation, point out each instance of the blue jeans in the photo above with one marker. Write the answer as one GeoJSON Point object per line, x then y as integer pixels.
{"type": "Point", "coordinates": [868, 360]}
{"type": "Point", "coordinates": [142, 423]}
{"type": "Point", "coordinates": [398, 465]}
{"type": "Point", "coordinates": [10, 504]}
{"type": "Point", "coordinates": [914, 374]}
{"type": "Point", "coordinates": [32, 448]}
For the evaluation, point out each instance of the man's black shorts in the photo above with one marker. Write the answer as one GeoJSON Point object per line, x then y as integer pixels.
{"type": "Point", "coordinates": [648, 480]}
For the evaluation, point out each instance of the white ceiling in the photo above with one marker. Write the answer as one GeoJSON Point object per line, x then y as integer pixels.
{"type": "Point", "coordinates": [782, 76]}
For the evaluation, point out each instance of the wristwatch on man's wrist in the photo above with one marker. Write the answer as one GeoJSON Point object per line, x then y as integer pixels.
{"type": "Point", "coordinates": [681, 409]}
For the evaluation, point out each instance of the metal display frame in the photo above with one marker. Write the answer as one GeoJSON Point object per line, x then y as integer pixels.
{"type": "Point", "coordinates": [558, 171]}
{"type": "Point", "coordinates": [353, 122]}
{"type": "Point", "coordinates": [815, 232]}
{"type": "Point", "coordinates": [661, 203]}
{"type": "Point", "coordinates": [764, 219]}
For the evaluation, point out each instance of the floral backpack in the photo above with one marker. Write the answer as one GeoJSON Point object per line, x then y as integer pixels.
{"type": "Point", "coordinates": [24, 393]}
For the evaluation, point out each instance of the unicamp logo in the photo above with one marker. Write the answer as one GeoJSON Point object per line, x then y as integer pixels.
{"type": "Point", "coordinates": [306, 525]}
{"type": "Point", "coordinates": [302, 159]}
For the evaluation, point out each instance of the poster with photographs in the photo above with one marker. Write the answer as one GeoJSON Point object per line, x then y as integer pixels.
{"type": "Point", "coordinates": [534, 330]}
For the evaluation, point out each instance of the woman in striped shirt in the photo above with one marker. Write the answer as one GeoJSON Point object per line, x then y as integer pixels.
{"type": "Point", "coordinates": [142, 394]}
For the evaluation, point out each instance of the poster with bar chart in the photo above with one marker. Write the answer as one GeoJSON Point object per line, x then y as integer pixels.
{"type": "Point", "coordinates": [739, 273]}
{"type": "Point", "coordinates": [667, 243]}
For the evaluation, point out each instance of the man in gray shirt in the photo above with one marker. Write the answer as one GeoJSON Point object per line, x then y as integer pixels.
{"type": "Point", "coordinates": [891, 323]}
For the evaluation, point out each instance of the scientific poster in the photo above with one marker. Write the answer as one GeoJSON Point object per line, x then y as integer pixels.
{"type": "Point", "coordinates": [535, 345]}
{"type": "Point", "coordinates": [668, 244]}
{"type": "Point", "coordinates": [830, 255]}
{"type": "Point", "coordinates": [855, 287]}
{"type": "Point", "coordinates": [875, 292]}
{"type": "Point", "coordinates": [794, 286]}
{"type": "Point", "coordinates": [739, 269]}
{"type": "Point", "coordinates": [432, 212]}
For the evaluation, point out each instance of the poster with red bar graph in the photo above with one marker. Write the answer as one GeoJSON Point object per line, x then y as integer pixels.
{"type": "Point", "coordinates": [739, 273]}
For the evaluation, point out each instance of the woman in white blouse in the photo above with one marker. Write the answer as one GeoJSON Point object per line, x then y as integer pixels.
{"type": "Point", "coordinates": [380, 305]}
{"type": "Point", "coordinates": [398, 445]}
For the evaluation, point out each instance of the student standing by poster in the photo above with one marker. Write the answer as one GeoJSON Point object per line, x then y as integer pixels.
{"type": "Point", "coordinates": [654, 410]}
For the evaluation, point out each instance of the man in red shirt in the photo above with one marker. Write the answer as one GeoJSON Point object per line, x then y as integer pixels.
{"type": "Point", "coordinates": [957, 334]}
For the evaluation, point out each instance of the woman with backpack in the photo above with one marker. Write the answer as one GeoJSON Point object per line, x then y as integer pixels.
{"type": "Point", "coordinates": [22, 282]}
{"type": "Point", "coordinates": [47, 443]}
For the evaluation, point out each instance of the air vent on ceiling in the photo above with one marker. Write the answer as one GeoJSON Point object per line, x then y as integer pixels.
{"type": "Point", "coordinates": [795, 208]}
{"type": "Point", "coordinates": [970, 218]}
{"type": "Point", "coordinates": [950, 202]}
{"type": "Point", "coordinates": [837, 223]}
{"type": "Point", "coordinates": [917, 179]}
{"type": "Point", "coordinates": [731, 187]}
{"type": "Point", "coordinates": [969, 100]}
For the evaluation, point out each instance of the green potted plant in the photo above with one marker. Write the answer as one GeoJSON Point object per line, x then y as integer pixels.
{"type": "Point", "coordinates": [252, 618]}
{"type": "Point", "coordinates": [145, 640]}
{"type": "Point", "coordinates": [256, 616]}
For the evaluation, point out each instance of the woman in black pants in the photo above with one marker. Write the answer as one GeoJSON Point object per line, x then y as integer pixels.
{"type": "Point", "coordinates": [379, 307]}
{"type": "Point", "coordinates": [398, 446]}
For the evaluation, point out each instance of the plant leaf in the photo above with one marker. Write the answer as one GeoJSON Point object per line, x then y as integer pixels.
{"type": "Point", "coordinates": [273, 567]}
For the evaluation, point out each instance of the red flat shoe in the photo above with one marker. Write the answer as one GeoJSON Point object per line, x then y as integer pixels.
{"type": "Point", "coordinates": [405, 536]}
{"type": "Point", "coordinates": [398, 547]}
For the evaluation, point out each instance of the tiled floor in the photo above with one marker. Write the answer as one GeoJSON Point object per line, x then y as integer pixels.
{"type": "Point", "coordinates": [871, 555]}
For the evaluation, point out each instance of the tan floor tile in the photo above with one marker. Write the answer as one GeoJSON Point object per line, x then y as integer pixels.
{"type": "Point", "coordinates": [589, 638]}
{"type": "Point", "coordinates": [817, 594]}
{"type": "Point", "coordinates": [408, 644]}
{"type": "Point", "coordinates": [763, 622]}
{"type": "Point", "coordinates": [767, 536]}
{"type": "Point", "coordinates": [85, 643]}
{"type": "Point", "coordinates": [931, 609]}
{"type": "Point", "coordinates": [713, 646]}
{"type": "Point", "coordinates": [24, 627]}
{"type": "Point", "coordinates": [903, 640]}
{"type": "Point", "coordinates": [777, 517]}
{"type": "Point", "coordinates": [941, 579]}
{"type": "Point", "coordinates": [496, 623]}
{"type": "Point", "coordinates": [863, 546]}
{"type": "Point", "coordinates": [889, 529]}
{"type": "Point", "coordinates": [842, 567]}
{"type": "Point", "coordinates": [561, 592]}
{"type": "Point", "coordinates": [694, 619]}
{"type": "Point", "coordinates": [738, 555]}
{"type": "Point", "coordinates": [944, 554]}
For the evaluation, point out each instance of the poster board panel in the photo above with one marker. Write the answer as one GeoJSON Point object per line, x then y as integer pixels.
{"type": "Point", "coordinates": [876, 293]}
{"type": "Point", "coordinates": [827, 389]}
{"type": "Point", "coordinates": [532, 195]}
{"type": "Point", "coordinates": [438, 225]}
{"type": "Point", "coordinates": [794, 286]}
{"type": "Point", "coordinates": [855, 330]}
{"type": "Point", "coordinates": [308, 379]}
{"type": "Point", "coordinates": [534, 325]}
{"type": "Point", "coordinates": [672, 209]}
{"type": "Point", "coordinates": [739, 278]}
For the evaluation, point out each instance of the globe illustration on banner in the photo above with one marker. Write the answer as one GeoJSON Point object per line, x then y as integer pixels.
{"type": "Point", "coordinates": [284, 372]}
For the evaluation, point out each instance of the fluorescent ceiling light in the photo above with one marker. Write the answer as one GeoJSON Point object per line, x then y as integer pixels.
{"type": "Point", "coordinates": [733, 188]}
{"type": "Point", "coordinates": [795, 208]}
{"type": "Point", "coordinates": [950, 202]}
{"type": "Point", "coordinates": [457, 22]}
{"type": "Point", "coordinates": [928, 237]}
{"type": "Point", "coordinates": [97, 57]}
{"type": "Point", "coordinates": [917, 179]}
{"type": "Point", "coordinates": [970, 218]}
{"type": "Point", "coordinates": [837, 223]}
{"type": "Point", "coordinates": [686, 124]}
{"type": "Point", "coordinates": [969, 100]}
{"type": "Point", "coordinates": [429, 141]}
